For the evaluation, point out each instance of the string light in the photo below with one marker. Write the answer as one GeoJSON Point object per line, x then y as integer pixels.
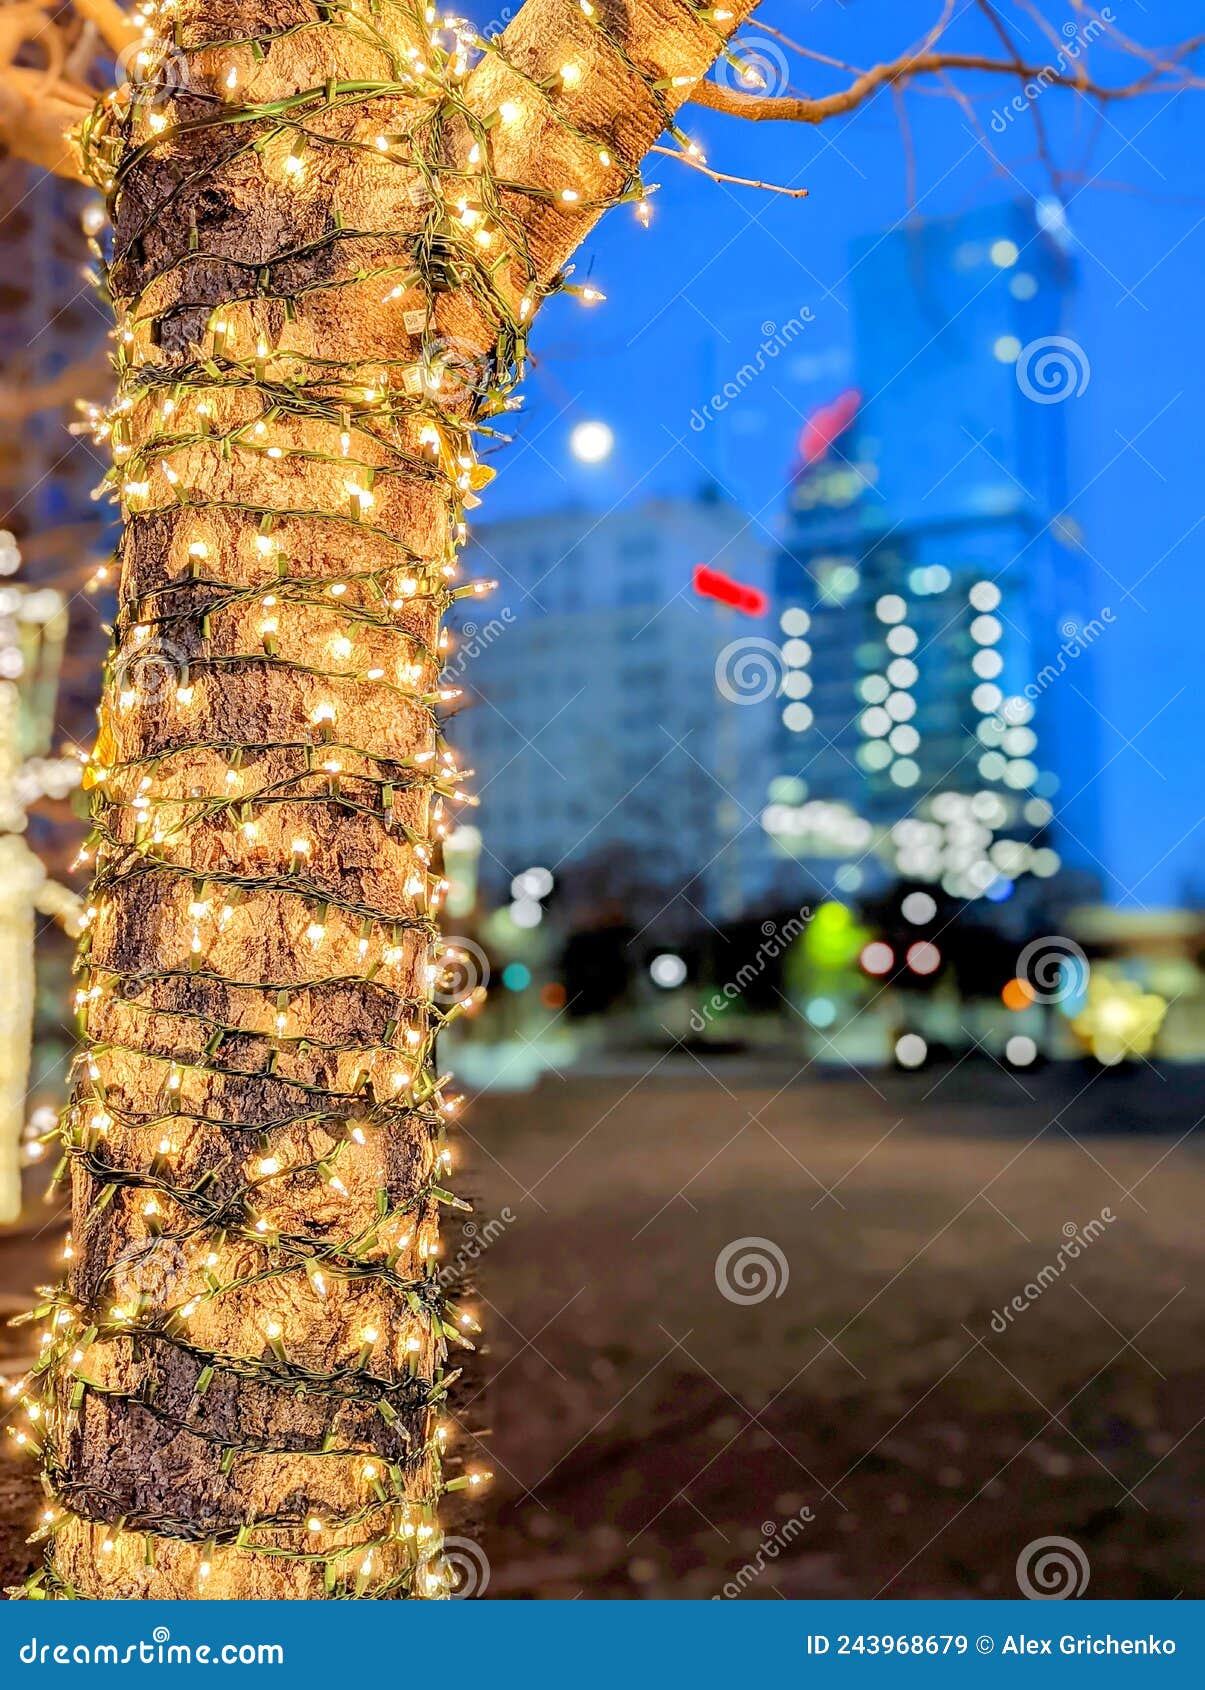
{"type": "Point", "coordinates": [271, 817]}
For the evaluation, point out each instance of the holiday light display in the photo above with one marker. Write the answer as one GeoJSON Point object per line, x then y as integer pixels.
{"type": "Point", "coordinates": [333, 226]}
{"type": "Point", "coordinates": [33, 626]}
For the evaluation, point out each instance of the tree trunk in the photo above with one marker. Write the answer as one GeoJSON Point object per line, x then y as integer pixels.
{"type": "Point", "coordinates": [325, 261]}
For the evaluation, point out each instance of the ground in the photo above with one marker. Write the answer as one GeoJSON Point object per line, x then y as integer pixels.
{"type": "Point", "coordinates": [891, 1421]}
{"type": "Point", "coordinates": [651, 1437]}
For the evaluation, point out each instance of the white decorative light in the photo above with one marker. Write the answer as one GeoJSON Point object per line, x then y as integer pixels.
{"type": "Point", "coordinates": [33, 627]}
{"type": "Point", "coordinates": [592, 442]}
{"type": "Point", "coordinates": [667, 971]}
{"type": "Point", "coordinates": [910, 1050]}
{"type": "Point", "coordinates": [891, 608]}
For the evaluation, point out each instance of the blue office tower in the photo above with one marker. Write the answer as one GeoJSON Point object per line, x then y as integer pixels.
{"type": "Point", "coordinates": [934, 599]}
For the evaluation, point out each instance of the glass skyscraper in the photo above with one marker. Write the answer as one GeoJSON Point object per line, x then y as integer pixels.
{"type": "Point", "coordinates": [933, 598]}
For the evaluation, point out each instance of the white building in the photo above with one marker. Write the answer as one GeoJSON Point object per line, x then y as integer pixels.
{"type": "Point", "coordinates": [603, 747]}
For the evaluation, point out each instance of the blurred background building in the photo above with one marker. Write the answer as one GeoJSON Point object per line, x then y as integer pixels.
{"type": "Point", "coordinates": [929, 589]}
{"type": "Point", "coordinates": [881, 788]}
{"type": "Point", "coordinates": [858, 803]}
{"type": "Point", "coordinates": [53, 343]}
{"type": "Point", "coordinates": [53, 351]}
{"type": "Point", "coordinates": [604, 750]}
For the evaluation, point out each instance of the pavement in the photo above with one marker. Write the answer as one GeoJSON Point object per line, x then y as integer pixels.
{"type": "Point", "coordinates": [761, 1333]}
{"type": "Point", "coordinates": [871, 1335]}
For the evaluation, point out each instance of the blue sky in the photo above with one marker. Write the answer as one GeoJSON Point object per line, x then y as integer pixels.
{"type": "Point", "coordinates": [687, 298]}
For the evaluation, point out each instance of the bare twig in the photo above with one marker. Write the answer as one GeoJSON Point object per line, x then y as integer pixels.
{"type": "Point", "coordinates": [1039, 127]}
{"type": "Point", "coordinates": [901, 112]}
{"type": "Point", "coordinates": [722, 176]}
{"type": "Point", "coordinates": [790, 109]}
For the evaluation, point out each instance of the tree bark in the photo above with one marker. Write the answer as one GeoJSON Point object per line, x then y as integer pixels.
{"type": "Point", "coordinates": [240, 1394]}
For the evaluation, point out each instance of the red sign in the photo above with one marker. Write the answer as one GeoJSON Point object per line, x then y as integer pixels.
{"type": "Point", "coordinates": [827, 424]}
{"type": "Point", "coordinates": [712, 584]}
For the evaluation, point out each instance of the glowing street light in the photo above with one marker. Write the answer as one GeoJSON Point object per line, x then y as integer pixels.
{"type": "Point", "coordinates": [668, 971]}
{"type": "Point", "coordinates": [591, 442]}
{"type": "Point", "coordinates": [532, 883]}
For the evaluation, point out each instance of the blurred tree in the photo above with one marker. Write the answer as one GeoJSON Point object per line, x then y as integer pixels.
{"type": "Point", "coordinates": [824, 958]}
{"type": "Point", "coordinates": [32, 630]}
{"type": "Point", "coordinates": [596, 966]}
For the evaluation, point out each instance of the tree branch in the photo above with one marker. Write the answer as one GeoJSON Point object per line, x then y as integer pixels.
{"type": "Point", "coordinates": [792, 109]}
{"type": "Point", "coordinates": [702, 165]}
{"type": "Point", "coordinates": [607, 119]}
{"type": "Point", "coordinates": [111, 23]}
{"type": "Point", "coordinates": [87, 379]}
{"type": "Point", "coordinates": [36, 125]}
